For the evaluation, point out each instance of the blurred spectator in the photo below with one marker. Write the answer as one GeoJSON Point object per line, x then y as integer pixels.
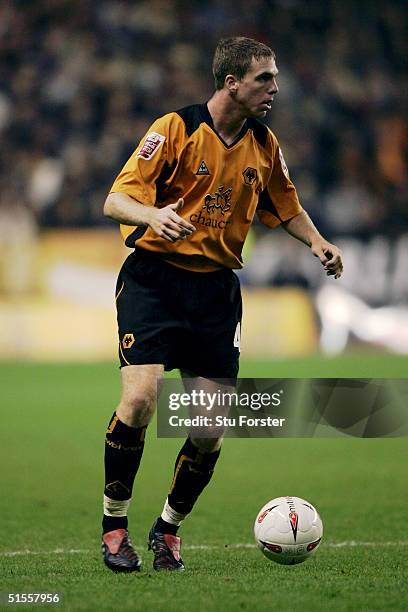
{"type": "Point", "coordinates": [18, 233]}
{"type": "Point", "coordinates": [81, 82]}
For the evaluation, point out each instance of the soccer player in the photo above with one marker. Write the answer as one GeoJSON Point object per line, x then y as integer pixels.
{"type": "Point", "coordinates": [185, 201]}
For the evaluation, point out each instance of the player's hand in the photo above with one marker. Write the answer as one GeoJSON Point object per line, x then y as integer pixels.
{"type": "Point", "coordinates": [330, 257]}
{"type": "Point", "coordinates": [167, 224]}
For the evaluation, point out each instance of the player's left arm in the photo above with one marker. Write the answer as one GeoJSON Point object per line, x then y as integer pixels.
{"type": "Point", "coordinates": [302, 227]}
{"type": "Point", "coordinates": [279, 205]}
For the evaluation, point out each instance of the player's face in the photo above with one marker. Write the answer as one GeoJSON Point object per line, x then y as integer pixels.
{"type": "Point", "coordinates": [257, 89]}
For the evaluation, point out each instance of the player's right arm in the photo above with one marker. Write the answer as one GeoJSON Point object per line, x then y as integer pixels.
{"type": "Point", "coordinates": [165, 222]}
{"type": "Point", "coordinates": [132, 200]}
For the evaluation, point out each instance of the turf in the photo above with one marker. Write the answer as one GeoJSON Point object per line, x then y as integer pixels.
{"type": "Point", "coordinates": [53, 420]}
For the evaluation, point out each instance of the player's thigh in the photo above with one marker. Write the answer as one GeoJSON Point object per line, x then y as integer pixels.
{"type": "Point", "coordinates": [217, 335]}
{"type": "Point", "coordinates": [215, 399]}
{"type": "Point", "coordinates": [148, 320]}
{"type": "Point", "coordinates": [140, 387]}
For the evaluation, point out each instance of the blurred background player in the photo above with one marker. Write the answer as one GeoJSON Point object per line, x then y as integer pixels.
{"type": "Point", "coordinates": [186, 199]}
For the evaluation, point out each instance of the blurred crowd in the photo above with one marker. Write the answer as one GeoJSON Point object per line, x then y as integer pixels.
{"type": "Point", "coordinates": [81, 82]}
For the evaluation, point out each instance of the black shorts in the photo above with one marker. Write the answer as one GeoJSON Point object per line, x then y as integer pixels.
{"type": "Point", "coordinates": [178, 318]}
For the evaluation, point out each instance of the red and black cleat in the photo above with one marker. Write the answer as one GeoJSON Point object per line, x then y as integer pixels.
{"type": "Point", "coordinates": [166, 549]}
{"type": "Point", "coordinates": [118, 552]}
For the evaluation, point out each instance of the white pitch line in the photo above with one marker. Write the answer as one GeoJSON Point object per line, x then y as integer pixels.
{"type": "Point", "coordinates": [80, 551]}
{"type": "Point", "coordinates": [56, 551]}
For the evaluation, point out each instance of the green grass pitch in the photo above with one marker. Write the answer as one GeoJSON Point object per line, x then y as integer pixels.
{"type": "Point", "coordinates": [53, 419]}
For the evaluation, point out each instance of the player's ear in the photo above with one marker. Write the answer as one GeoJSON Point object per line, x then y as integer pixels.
{"type": "Point", "coordinates": [231, 83]}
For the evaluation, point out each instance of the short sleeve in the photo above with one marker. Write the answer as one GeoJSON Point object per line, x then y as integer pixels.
{"type": "Point", "coordinates": [279, 201]}
{"type": "Point", "coordinates": [156, 150]}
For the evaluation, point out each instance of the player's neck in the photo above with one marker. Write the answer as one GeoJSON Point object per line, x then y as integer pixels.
{"type": "Point", "coordinates": [228, 120]}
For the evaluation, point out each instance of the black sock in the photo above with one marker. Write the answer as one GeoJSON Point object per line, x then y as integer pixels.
{"type": "Point", "coordinates": [110, 523]}
{"type": "Point", "coordinates": [165, 527]}
{"type": "Point", "coordinates": [123, 452]}
{"type": "Point", "coordinates": [192, 473]}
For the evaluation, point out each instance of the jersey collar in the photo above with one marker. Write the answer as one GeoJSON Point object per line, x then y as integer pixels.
{"type": "Point", "coordinates": [205, 113]}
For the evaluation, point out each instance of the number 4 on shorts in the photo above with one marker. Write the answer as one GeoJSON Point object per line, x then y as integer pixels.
{"type": "Point", "coordinates": [237, 337]}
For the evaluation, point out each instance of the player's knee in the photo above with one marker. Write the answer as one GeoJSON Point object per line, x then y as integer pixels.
{"type": "Point", "coordinates": [137, 407]}
{"type": "Point", "coordinates": [208, 445]}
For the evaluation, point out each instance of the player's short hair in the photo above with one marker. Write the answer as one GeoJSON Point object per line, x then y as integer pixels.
{"type": "Point", "coordinates": [234, 56]}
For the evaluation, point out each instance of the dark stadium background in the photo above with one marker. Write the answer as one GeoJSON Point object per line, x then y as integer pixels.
{"type": "Point", "coordinates": [80, 82]}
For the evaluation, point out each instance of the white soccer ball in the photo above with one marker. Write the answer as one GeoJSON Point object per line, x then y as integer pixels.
{"type": "Point", "coordinates": [288, 530]}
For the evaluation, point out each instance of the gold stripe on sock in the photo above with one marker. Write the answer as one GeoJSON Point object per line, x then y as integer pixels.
{"type": "Point", "coordinates": [112, 425]}
{"type": "Point", "coordinates": [179, 464]}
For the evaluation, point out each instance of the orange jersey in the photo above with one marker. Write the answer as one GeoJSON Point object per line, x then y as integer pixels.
{"type": "Point", "coordinates": [182, 156]}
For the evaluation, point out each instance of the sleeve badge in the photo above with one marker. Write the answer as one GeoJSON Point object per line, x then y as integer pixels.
{"type": "Point", "coordinates": [150, 145]}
